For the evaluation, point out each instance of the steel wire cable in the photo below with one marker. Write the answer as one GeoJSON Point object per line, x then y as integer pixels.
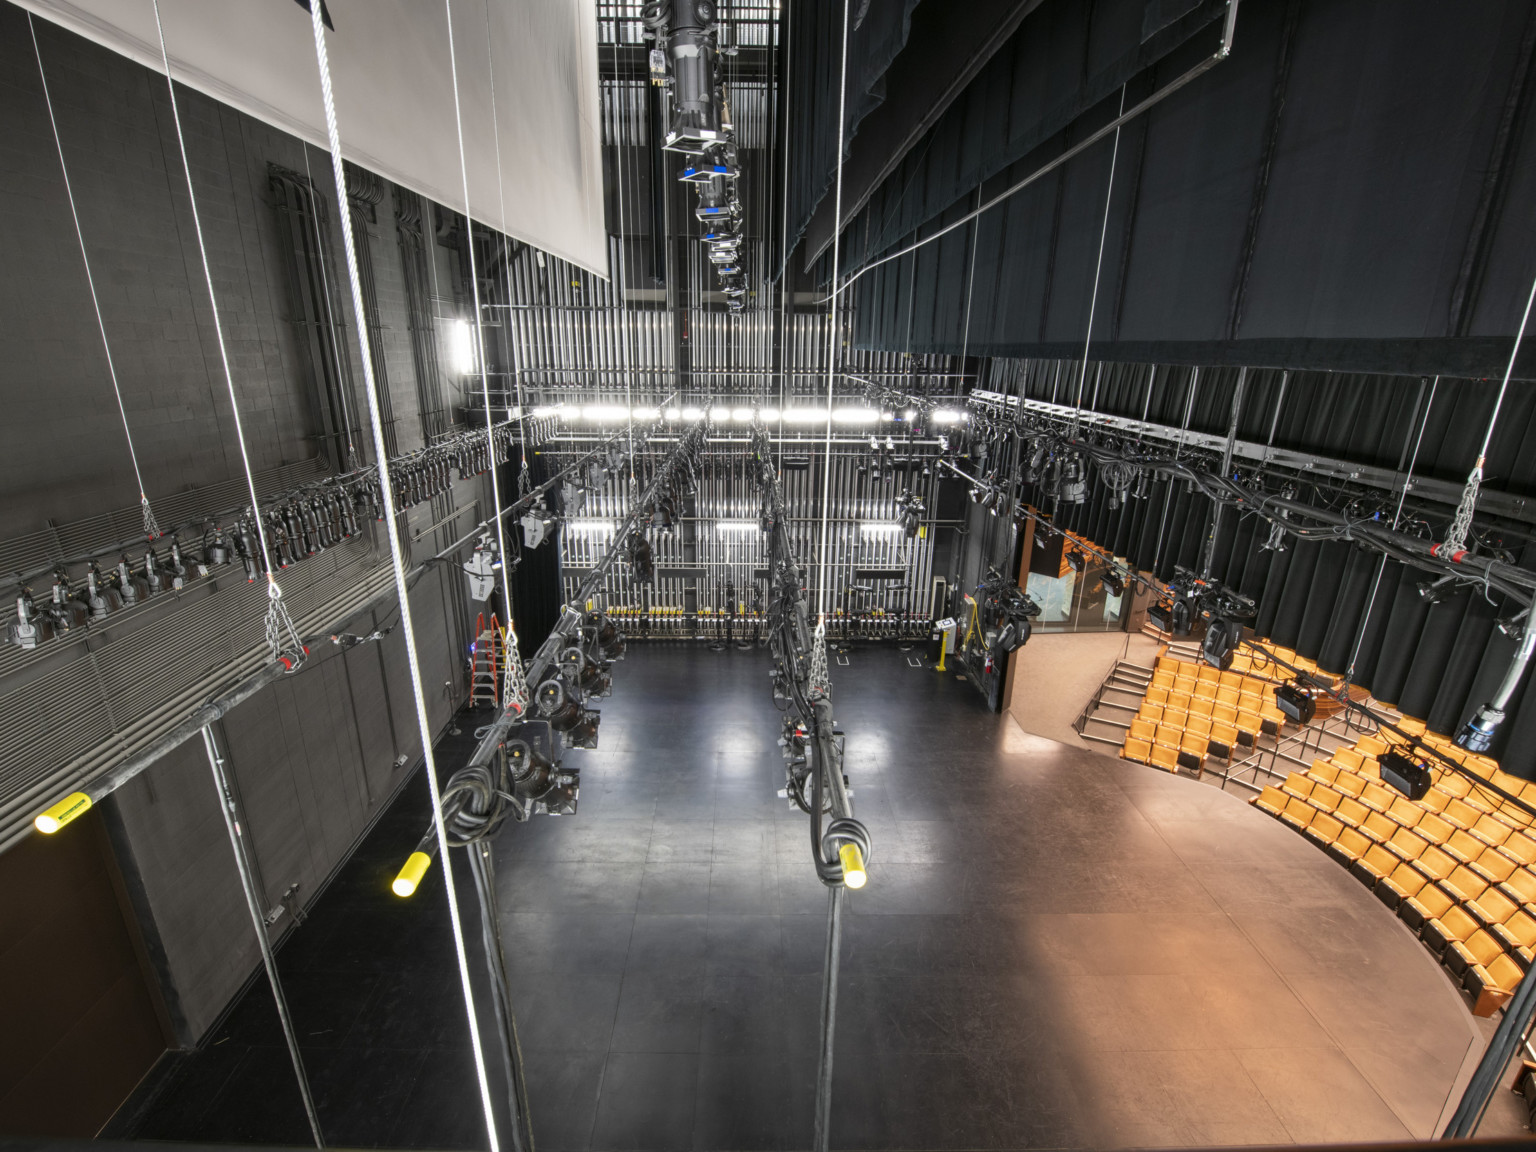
{"type": "Point", "coordinates": [281, 634]}
{"type": "Point", "coordinates": [397, 555]}
{"type": "Point", "coordinates": [151, 527]}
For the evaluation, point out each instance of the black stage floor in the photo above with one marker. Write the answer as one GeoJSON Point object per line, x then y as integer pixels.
{"type": "Point", "coordinates": [1055, 949]}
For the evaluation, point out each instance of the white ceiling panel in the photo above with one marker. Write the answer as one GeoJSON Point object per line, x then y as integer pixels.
{"type": "Point", "coordinates": [393, 82]}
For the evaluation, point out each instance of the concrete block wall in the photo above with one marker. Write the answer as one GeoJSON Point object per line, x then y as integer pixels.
{"type": "Point", "coordinates": [315, 757]}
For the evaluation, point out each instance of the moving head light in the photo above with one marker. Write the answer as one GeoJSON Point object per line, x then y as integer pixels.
{"type": "Point", "coordinates": [1222, 637]}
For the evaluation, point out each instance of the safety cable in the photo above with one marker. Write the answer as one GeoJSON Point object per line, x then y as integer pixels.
{"type": "Point", "coordinates": [397, 555]}
{"type": "Point", "coordinates": [1222, 52]}
{"type": "Point", "coordinates": [1456, 538]}
{"type": "Point", "coordinates": [151, 527]}
{"type": "Point", "coordinates": [1365, 619]}
{"type": "Point", "coordinates": [474, 287]}
{"type": "Point", "coordinates": [832, 307]}
{"type": "Point", "coordinates": [282, 636]}
{"type": "Point", "coordinates": [1098, 268]}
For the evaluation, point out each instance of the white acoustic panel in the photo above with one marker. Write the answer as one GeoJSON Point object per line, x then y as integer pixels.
{"type": "Point", "coordinates": [393, 82]}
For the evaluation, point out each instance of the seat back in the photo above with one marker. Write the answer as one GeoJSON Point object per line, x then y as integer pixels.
{"type": "Point", "coordinates": [1348, 758]}
{"type": "Point", "coordinates": [1136, 749]}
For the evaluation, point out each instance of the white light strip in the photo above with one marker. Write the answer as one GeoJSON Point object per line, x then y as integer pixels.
{"type": "Point", "coordinates": [880, 526]}
{"type": "Point", "coordinates": [590, 525]}
{"type": "Point", "coordinates": [817, 417]}
{"type": "Point", "coordinates": [736, 525]}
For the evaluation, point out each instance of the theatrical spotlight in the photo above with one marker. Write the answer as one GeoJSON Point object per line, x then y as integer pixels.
{"type": "Point", "coordinates": [1074, 480]}
{"type": "Point", "coordinates": [909, 512]}
{"type": "Point", "coordinates": [1076, 560]}
{"type": "Point", "coordinates": [538, 526]}
{"type": "Point", "coordinates": [1113, 581]}
{"type": "Point", "coordinates": [1172, 616]}
{"type": "Point", "coordinates": [1222, 637]}
{"type": "Point", "coordinates": [1433, 593]}
{"type": "Point", "coordinates": [641, 560]}
{"type": "Point", "coordinates": [1298, 703]}
{"type": "Point", "coordinates": [1408, 776]}
{"type": "Point", "coordinates": [1005, 612]}
{"type": "Point", "coordinates": [481, 568]}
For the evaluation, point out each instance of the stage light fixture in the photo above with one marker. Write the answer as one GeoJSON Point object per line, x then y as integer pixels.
{"type": "Point", "coordinates": [1408, 776]}
{"type": "Point", "coordinates": [1434, 592]}
{"type": "Point", "coordinates": [537, 526]}
{"type": "Point", "coordinates": [1296, 702]}
{"type": "Point", "coordinates": [1076, 560]}
{"type": "Point", "coordinates": [1221, 640]}
{"type": "Point", "coordinates": [1114, 581]}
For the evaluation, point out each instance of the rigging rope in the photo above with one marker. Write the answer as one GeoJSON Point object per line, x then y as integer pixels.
{"type": "Point", "coordinates": [282, 636]}
{"type": "Point", "coordinates": [1098, 268]}
{"type": "Point", "coordinates": [513, 656]}
{"type": "Point", "coordinates": [1456, 537]}
{"type": "Point", "coordinates": [833, 303]}
{"type": "Point", "coordinates": [151, 526]}
{"type": "Point", "coordinates": [391, 521]}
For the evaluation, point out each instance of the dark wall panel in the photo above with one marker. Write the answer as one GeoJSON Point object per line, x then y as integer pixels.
{"type": "Point", "coordinates": [1339, 193]}
{"type": "Point", "coordinates": [80, 1023]}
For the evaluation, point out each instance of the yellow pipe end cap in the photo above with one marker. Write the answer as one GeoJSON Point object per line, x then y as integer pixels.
{"type": "Point", "coordinates": [410, 876]}
{"type": "Point", "coordinates": [74, 805]}
{"type": "Point", "coordinates": [854, 875]}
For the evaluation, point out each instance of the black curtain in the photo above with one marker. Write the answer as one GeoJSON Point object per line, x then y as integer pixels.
{"type": "Point", "coordinates": [535, 581]}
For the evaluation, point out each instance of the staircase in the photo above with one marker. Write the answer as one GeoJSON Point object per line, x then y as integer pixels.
{"type": "Point", "coordinates": [1108, 713]}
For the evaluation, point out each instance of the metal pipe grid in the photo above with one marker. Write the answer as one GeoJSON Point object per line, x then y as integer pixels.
{"type": "Point", "coordinates": [719, 540]}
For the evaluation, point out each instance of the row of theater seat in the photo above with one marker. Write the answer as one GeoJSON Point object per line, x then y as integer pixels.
{"type": "Point", "coordinates": [1456, 865]}
{"type": "Point", "coordinates": [1191, 712]}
